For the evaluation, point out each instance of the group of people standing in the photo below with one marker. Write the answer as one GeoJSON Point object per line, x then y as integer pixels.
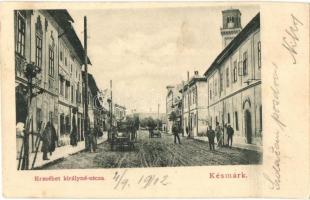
{"type": "Point", "coordinates": [219, 134]}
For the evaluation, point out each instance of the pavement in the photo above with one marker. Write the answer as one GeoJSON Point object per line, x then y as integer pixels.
{"type": "Point", "coordinates": [251, 147]}
{"type": "Point", "coordinates": [60, 153]}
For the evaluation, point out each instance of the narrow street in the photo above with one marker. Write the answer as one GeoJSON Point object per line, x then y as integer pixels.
{"type": "Point", "coordinates": [158, 152]}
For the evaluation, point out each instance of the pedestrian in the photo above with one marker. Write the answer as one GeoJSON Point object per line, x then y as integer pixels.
{"type": "Point", "coordinates": [20, 128]}
{"type": "Point", "coordinates": [175, 131]}
{"type": "Point", "coordinates": [211, 136]}
{"type": "Point", "coordinates": [46, 140]}
{"type": "Point", "coordinates": [219, 135]}
{"type": "Point", "coordinates": [73, 136]}
{"type": "Point", "coordinates": [230, 133]}
{"type": "Point", "coordinates": [92, 138]}
{"type": "Point", "coordinates": [54, 139]}
{"type": "Point", "coordinates": [187, 131]}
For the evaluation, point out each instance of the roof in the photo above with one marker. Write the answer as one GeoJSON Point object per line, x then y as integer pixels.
{"type": "Point", "coordinates": [64, 19]}
{"type": "Point", "coordinates": [192, 81]}
{"type": "Point", "coordinates": [92, 85]}
{"type": "Point", "coordinates": [253, 25]}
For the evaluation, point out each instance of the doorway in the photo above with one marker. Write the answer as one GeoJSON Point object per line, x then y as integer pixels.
{"type": "Point", "coordinates": [248, 126]}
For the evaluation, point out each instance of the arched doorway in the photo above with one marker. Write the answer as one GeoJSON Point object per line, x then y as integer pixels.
{"type": "Point", "coordinates": [248, 126]}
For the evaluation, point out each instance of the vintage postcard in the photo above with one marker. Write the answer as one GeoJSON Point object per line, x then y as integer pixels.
{"type": "Point", "coordinates": [149, 100]}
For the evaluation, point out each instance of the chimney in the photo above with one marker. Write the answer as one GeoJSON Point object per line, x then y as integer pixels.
{"type": "Point", "coordinates": [196, 73]}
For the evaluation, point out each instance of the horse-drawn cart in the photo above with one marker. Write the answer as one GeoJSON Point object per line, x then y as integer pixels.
{"type": "Point", "coordinates": [154, 133]}
{"type": "Point", "coordinates": [124, 135]}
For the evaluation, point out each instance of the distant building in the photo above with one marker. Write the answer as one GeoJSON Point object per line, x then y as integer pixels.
{"type": "Point", "coordinates": [195, 105]}
{"type": "Point", "coordinates": [119, 112]}
{"type": "Point", "coordinates": [234, 81]}
{"type": "Point", "coordinates": [173, 105]}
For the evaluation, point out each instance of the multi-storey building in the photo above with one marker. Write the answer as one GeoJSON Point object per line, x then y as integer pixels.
{"type": "Point", "coordinates": [36, 42]}
{"type": "Point", "coordinates": [195, 102]}
{"type": "Point", "coordinates": [234, 81]}
{"type": "Point", "coordinates": [70, 85]}
{"type": "Point", "coordinates": [46, 39]}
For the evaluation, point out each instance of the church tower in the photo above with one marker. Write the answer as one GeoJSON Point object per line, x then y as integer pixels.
{"type": "Point", "coordinates": [231, 25]}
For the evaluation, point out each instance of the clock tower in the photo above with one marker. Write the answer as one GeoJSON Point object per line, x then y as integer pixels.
{"type": "Point", "coordinates": [231, 25]}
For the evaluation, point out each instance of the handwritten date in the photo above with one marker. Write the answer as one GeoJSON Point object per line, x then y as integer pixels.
{"type": "Point", "coordinates": [143, 181]}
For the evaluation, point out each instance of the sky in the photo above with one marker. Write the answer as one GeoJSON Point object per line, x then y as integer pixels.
{"type": "Point", "coordinates": [142, 50]}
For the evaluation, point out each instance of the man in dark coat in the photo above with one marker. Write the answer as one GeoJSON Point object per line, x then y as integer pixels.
{"type": "Point", "coordinates": [175, 131]}
{"type": "Point", "coordinates": [54, 139]}
{"type": "Point", "coordinates": [46, 140]}
{"type": "Point", "coordinates": [211, 136]}
{"type": "Point", "coordinates": [230, 133]}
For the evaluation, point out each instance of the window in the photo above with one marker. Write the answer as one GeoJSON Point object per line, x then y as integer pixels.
{"type": "Point", "coordinates": [38, 40]}
{"type": "Point", "coordinates": [72, 93]}
{"type": "Point", "coordinates": [235, 72]}
{"type": "Point", "coordinates": [61, 55]}
{"type": "Point", "coordinates": [215, 87]}
{"type": "Point", "coordinates": [236, 121]}
{"type": "Point", "coordinates": [228, 118]}
{"type": "Point", "coordinates": [67, 125]}
{"type": "Point", "coordinates": [61, 89]}
{"type": "Point", "coordinates": [259, 56]}
{"type": "Point", "coordinates": [21, 32]}
{"type": "Point", "coordinates": [210, 94]}
{"type": "Point", "coordinates": [38, 50]}
{"type": "Point", "coordinates": [51, 61]}
{"type": "Point", "coordinates": [221, 82]}
{"type": "Point", "coordinates": [62, 124]}
{"type": "Point", "coordinates": [50, 117]}
{"type": "Point", "coordinates": [66, 62]}
{"type": "Point", "coordinates": [67, 89]}
{"type": "Point", "coordinates": [227, 77]}
{"type": "Point", "coordinates": [245, 63]}
{"type": "Point", "coordinates": [39, 119]}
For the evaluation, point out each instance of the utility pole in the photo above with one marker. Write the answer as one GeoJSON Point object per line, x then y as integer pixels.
{"type": "Point", "coordinates": [189, 113]}
{"type": "Point", "coordinates": [111, 110]}
{"type": "Point", "coordinates": [86, 118]}
{"type": "Point", "coordinates": [158, 117]}
{"type": "Point", "coordinates": [182, 111]}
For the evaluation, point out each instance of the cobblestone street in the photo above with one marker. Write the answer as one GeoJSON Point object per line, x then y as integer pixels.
{"type": "Point", "coordinates": [158, 152]}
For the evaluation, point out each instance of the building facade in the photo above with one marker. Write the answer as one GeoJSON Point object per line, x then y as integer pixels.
{"type": "Point", "coordinates": [234, 86]}
{"type": "Point", "coordinates": [195, 106]}
{"type": "Point", "coordinates": [36, 43]}
{"type": "Point", "coordinates": [46, 40]}
{"type": "Point", "coordinates": [70, 99]}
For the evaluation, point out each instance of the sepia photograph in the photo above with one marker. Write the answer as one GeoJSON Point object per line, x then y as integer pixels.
{"type": "Point", "coordinates": [138, 87]}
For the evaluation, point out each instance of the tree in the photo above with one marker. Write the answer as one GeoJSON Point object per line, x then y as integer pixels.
{"type": "Point", "coordinates": [173, 116]}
